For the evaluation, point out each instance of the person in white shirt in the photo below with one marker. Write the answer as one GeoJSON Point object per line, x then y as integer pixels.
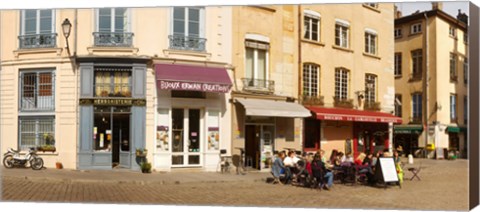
{"type": "Point", "coordinates": [289, 166]}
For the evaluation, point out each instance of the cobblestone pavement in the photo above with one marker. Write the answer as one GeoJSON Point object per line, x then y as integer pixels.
{"type": "Point", "coordinates": [443, 186]}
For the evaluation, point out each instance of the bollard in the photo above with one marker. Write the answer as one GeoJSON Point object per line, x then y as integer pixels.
{"type": "Point", "coordinates": [410, 159]}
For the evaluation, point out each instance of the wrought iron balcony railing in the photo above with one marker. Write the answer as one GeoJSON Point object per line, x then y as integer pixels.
{"type": "Point", "coordinates": [312, 100]}
{"type": "Point", "coordinates": [344, 103]}
{"type": "Point", "coordinates": [258, 85]}
{"type": "Point", "coordinates": [38, 41]}
{"type": "Point", "coordinates": [115, 39]}
{"type": "Point", "coordinates": [376, 106]}
{"type": "Point", "coordinates": [181, 42]}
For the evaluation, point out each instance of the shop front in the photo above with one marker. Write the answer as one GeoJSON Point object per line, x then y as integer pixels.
{"type": "Point", "coordinates": [264, 126]}
{"type": "Point", "coordinates": [353, 131]}
{"type": "Point", "coordinates": [190, 116]}
{"type": "Point", "coordinates": [457, 141]}
{"type": "Point", "coordinates": [112, 114]}
{"type": "Point", "coordinates": [407, 136]}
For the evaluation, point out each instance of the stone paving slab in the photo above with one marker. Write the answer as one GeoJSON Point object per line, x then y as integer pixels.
{"type": "Point", "coordinates": [443, 186]}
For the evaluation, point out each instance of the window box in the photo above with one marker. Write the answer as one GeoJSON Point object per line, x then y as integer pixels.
{"type": "Point", "coordinates": [375, 106]}
{"type": "Point", "coordinates": [343, 103]}
{"type": "Point", "coordinates": [312, 100]}
{"type": "Point", "coordinates": [46, 148]}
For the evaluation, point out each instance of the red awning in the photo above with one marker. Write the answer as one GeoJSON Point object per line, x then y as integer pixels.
{"type": "Point", "coordinates": [192, 78]}
{"type": "Point", "coordinates": [338, 114]}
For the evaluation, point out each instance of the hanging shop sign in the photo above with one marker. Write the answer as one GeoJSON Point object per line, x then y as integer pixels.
{"type": "Point", "coordinates": [113, 102]}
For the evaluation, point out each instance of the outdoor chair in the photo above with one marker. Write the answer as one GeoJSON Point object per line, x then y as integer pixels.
{"type": "Point", "coordinates": [415, 171]}
{"type": "Point", "coordinates": [360, 176]}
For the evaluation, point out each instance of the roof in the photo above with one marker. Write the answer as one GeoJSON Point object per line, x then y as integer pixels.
{"type": "Point", "coordinates": [438, 13]}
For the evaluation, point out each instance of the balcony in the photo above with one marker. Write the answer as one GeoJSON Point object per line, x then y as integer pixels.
{"type": "Point", "coordinates": [258, 85]}
{"type": "Point", "coordinates": [189, 43]}
{"type": "Point", "coordinates": [415, 120]}
{"type": "Point", "coordinates": [343, 103]}
{"type": "Point", "coordinates": [415, 76]}
{"type": "Point", "coordinates": [37, 103]}
{"type": "Point", "coordinates": [38, 41]}
{"type": "Point", "coordinates": [312, 100]}
{"type": "Point", "coordinates": [375, 106]}
{"type": "Point", "coordinates": [113, 39]}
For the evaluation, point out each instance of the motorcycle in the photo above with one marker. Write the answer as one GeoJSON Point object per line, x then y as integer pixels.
{"type": "Point", "coordinates": [13, 158]}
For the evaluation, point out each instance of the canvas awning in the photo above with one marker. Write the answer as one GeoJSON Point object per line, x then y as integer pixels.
{"type": "Point", "coordinates": [192, 78]}
{"type": "Point", "coordinates": [272, 108]}
{"type": "Point", "coordinates": [408, 129]}
{"type": "Point", "coordinates": [455, 129]}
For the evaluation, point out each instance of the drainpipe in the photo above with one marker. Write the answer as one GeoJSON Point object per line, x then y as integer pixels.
{"type": "Point", "coordinates": [426, 84]}
{"type": "Point", "coordinates": [299, 69]}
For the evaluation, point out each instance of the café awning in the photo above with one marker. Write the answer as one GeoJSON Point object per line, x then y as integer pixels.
{"type": "Point", "coordinates": [271, 108]}
{"type": "Point", "coordinates": [340, 114]}
{"type": "Point", "coordinates": [408, 129]}
{"type": "Point", "coordinates": [455, 129]}
{"type": "Point", "coordinates": [192, 78]}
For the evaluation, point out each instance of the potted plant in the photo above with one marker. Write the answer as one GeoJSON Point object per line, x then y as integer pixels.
{"type": "Point", "coordinates": [59, 165]}
{"type": "Point", "coordinates": [146, 167]}
{"type": "Point", "coordinates": [141, 152]}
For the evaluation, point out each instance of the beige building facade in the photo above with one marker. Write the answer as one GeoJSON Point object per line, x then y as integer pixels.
{"type": "Point", "coordinates": [436, 43]}
{"type": "Point", "coordinates": [346, 76]}
{"type": "Point", "coordinates": [93, 102]}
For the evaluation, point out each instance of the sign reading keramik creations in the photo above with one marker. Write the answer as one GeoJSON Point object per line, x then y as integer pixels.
{"type": "Point", "coordinates": [193, 86]}
{"type": "Point", "coordinates": [114, 102]}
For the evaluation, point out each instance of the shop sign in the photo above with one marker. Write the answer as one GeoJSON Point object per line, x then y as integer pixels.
{"type": "Point", "coordinates": [357, 118]}
{"type": "Point", "coordinates": [113, 102]}
{"type": "Point", "coordinates": [193, 86]}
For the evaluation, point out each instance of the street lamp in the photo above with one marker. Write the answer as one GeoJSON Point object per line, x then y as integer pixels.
{"type": "Point", "coordinates": [66, 27]}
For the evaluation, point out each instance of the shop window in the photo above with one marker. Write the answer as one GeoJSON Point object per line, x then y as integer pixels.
{"type": "Point", "coordinates": [111, 130]}
{"type": "Point", "coordinates": [163, 130]}
{"type": "Point", "coordinates": [37, 29]}
{"type": "Point", "coordinates": [36, 132]}
{"type": "Point", "coordinates": [213, 133]}
{"type": "Point", "coordinates": [113, 82]}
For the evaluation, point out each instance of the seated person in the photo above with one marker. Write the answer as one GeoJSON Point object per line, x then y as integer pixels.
{"type": "Point", "coordinates": [320, 172]}
{"type": "Point", "coordinates": [277, 167]}
{"type": "Point", "coordinates": [289, 166]}
{"type": "Point", "coordinates": [347, 158]}
{"type": "Point", "coordinates": [366, 166]}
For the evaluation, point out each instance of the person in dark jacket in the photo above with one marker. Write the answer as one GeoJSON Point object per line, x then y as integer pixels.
{"type": "Point", "coordinates": [319, 171]}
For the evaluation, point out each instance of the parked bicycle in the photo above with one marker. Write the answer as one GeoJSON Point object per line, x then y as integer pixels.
{"type": "Point", "coordinates": [13, 158]}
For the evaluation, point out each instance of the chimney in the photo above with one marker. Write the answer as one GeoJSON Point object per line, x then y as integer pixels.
{"type": "Point", "coordinates": [398, 13]}
{"type": "Point", "coordinates": [463, 17]}
{"type": "Point", "coordinates": [437, 5]}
